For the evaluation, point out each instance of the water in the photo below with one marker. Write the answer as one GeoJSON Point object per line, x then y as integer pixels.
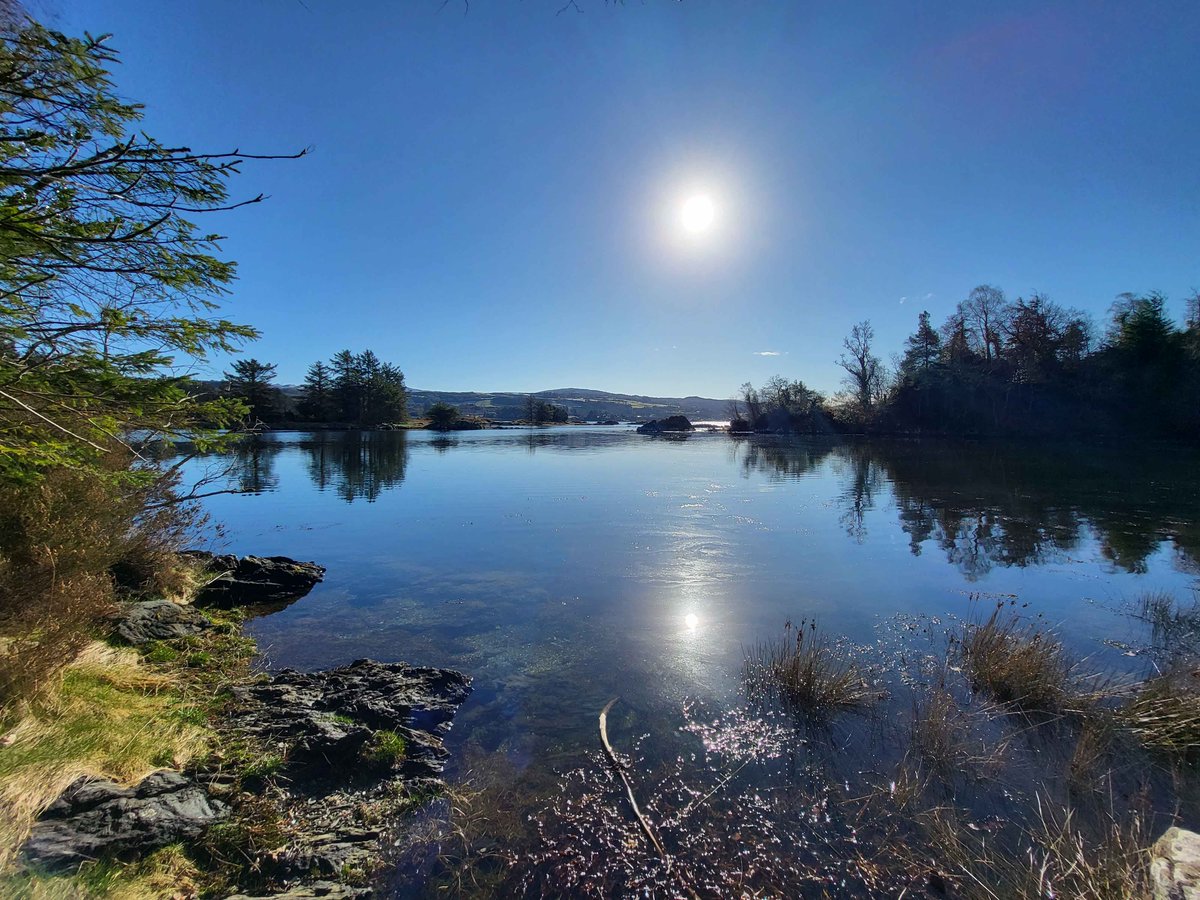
{"type": "Point", "coordinates": [563, 567]}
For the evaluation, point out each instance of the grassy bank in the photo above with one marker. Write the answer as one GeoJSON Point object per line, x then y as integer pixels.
{"type": "Point", "coordinates": [119, 713]}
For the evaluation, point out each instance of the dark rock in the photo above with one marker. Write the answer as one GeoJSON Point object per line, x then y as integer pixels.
{"type": "Point", "coordinates": [323, 720]}
{"type": "Point", "coordinates": [99, 818]}
{"type": "Point", "coordinates": [159, 620]}
{"type": "Point", "coordinates": [671, 423]}
{"type": "Point", "coordinates": [251, 580]}
{"type": "Point", "coordinates": [318, 890]}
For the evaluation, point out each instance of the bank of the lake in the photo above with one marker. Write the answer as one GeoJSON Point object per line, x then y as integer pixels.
{"type": "Point", "coordinates": [162, 764]}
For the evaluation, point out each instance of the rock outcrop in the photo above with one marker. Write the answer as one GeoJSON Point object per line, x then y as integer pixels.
{"type": "Point", "coordinates": [254, 580]}
{"type": "Point", "coordinates": [324, 720]}
{"type": "Point", "coordinates": [669, 424]}
{"type": "Point", "coordinates": [326, 726]}
{"type": "Point", "coordinates": [100, 818]}
{"type": "Point", "coordinates": [319, 890]}
{"type": "Point", "coordinates": [1175, 866]}
{"type": "Point", "coordinates": [159, 620]}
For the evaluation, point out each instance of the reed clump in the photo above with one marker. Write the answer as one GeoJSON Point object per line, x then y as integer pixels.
{"type": "Point", "coordinates": [1054, 855]}
{"type": "Point", "coordinates": [1165, 713]}
{"type": "Point", "coordinates": [1016, 663]}
{"type": "Point", "coordinates": [808, 672]}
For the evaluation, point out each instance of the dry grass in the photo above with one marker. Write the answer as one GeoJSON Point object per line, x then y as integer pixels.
{"type": "Point", "coordinates": [808, 673]}
{"type": "Point", "coordinates": [1015, 663]}
{"type": "Point", "coordinates": [1053, 857]}
{"type": "Point", "coordinates": [70, 546]}
{"type": "Point", "coordinates": [1165, 713]}
{"type": "Point", "coordinates": [108, 716]}
{"type": "Point", "coordinates": [167, 873]}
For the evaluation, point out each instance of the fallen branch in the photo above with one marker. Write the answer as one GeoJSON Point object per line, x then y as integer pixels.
{"type": "Point", "coordinates": [647, 828]}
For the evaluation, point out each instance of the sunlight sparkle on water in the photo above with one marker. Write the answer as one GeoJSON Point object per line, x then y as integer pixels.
{"type": "Point", "coordinates": [691, 620]}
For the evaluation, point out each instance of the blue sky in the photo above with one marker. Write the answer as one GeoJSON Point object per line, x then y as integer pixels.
{"type": "Point", "coordinates": [491, 199]}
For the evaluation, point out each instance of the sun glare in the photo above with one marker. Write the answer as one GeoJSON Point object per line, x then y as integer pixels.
{"type": "Point", "coordinates": [698, 214]}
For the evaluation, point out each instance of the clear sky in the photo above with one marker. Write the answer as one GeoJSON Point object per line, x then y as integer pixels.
{"type": "Point", "coordinates": [492, 200]}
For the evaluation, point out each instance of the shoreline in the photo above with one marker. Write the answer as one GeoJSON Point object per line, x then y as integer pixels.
{"type": "Point", "coordinates": [251, 784]}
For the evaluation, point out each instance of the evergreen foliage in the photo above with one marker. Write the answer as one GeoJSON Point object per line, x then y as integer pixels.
{"type": "Point", "coordinates": [355, 388]}
{"type": "Point", "coordinates": [250, 382]}
{"type": "Point", "coordinates": [105, 282]}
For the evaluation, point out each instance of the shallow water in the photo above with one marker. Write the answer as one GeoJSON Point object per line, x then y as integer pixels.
{"type": "Point", "coordinates": [565, 566]}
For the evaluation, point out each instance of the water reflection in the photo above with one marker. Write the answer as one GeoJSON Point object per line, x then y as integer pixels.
{"type": "Point", "coordinates": [252, 466]}
{"type": "Point", "coordinates": [357, 464]}
{"type": "Point", "coordinates": [980, 505]}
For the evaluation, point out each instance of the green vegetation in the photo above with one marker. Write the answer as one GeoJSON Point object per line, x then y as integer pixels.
{"type": "Point", "coordinates": [386, 749]}
{"type": "Point", "coordinates": [997, 367]}
{"type": "Point", "coordinates": [355, 388]}
{"type": "Point", "coordinates": [104, 714]}
{"type": "Point", "coordinates": [442, 416]}
{"type": "Point", "coordinates": [109, 291]}
{"type": "Point", "coordinates": [540, 412]}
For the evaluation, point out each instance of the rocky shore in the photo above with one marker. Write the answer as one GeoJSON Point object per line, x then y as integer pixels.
{"type": "Point", "coordinates": [311, 770]}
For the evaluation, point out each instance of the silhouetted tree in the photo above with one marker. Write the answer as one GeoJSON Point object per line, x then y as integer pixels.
{"type": "Point", "coordinates": [250, 382]}
{"type": "Point", "coordinates": [754, 406]}
{"type": "Point", "coordinates": [922, 348]}
{"type": "Point", "coordinates": [1140, 325]}
{"type": "Point", "coordinates": [318, 403]}
{"type": "Point", "coordinates": [984, 313]}
{"type": "Point", "coordinates": [864, 371]}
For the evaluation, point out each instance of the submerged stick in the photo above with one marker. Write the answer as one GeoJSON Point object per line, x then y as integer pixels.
{"type": "Point", "coordinates": [647, 828]}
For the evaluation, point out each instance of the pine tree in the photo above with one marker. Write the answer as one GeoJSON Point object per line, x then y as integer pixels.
{"type": "Point", "coordinates": [921, 349]}
{"type": "Point", "coordinates": [250, 382]}
{"type": "Point", "coordinates": [318, 403]}
{"type": "Point", "coordinates": [105, 282]}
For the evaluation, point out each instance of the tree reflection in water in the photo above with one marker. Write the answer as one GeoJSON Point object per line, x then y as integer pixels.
{"type": "Point", "coordinates": [1001, 504]}
{"type": "Point", "coordinates": [357, 464]}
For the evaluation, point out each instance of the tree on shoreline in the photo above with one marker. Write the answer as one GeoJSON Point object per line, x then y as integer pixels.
{"type": "Point", "coordinates": [317, 403]}
{"type": "Point", "coordinates": [864, 371]}
{"type": "Point", "coordinates": [109, 297]}
{"type": "Point", "coordinates": [106, 285]}
{"type": "Point", "coordinates": [442, 416]}
{"type": "Point", "coordinates": [250, 382]}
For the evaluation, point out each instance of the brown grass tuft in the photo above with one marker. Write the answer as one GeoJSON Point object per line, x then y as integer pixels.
{"type": "Point", "coordinates": [1016, 663]}
{"type": "Point", "coordinates": [808, 673]}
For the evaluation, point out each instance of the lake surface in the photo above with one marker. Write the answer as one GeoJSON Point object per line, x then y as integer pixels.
{"type": "Point", "coordinates": [563, 567]}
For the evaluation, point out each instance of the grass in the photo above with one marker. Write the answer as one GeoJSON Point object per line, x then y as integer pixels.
{"type": "Point", "coordinates": [167, 873]}
{"type": "Point", "coordinates": [808, 672]}
{"type": "Point", "coordinates": [1165, 713]}
{"type": "Point", "coordinates": [386, 748]}
{"type": "Point", "coordinates": [1014, 662]}
{"type": "Point", "coordinates": [1052, 856]}
{"type": "Point", "coordinates": [108, 716]}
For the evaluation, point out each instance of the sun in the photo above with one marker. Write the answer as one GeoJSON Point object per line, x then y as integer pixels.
{"type": "Point", "coordinates": [698, 214]}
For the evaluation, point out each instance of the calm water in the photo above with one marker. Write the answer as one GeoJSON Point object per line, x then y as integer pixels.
{"type": "Point", "coordinates": [563, 567]}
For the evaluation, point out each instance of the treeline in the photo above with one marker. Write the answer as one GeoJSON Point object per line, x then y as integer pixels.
{"type": "Point", "coordinates": [994, 367]}
{"type": "Point", "coordinates": [352, 388]}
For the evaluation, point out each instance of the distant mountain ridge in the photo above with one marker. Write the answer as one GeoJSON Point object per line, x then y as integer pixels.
{"type": "Point", "coordinates": [582, 403]}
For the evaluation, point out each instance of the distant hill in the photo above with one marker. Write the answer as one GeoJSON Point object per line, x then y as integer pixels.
{"type": "Point", "coordinates": [583, 403]}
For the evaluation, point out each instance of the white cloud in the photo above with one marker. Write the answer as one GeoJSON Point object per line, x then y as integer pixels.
{"type": "Point", "coordinates": [929, 296]}
{"type": "Point", "coordinates": [902, 299]}
{"type": "Point", "coordinates": [767, 353]}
